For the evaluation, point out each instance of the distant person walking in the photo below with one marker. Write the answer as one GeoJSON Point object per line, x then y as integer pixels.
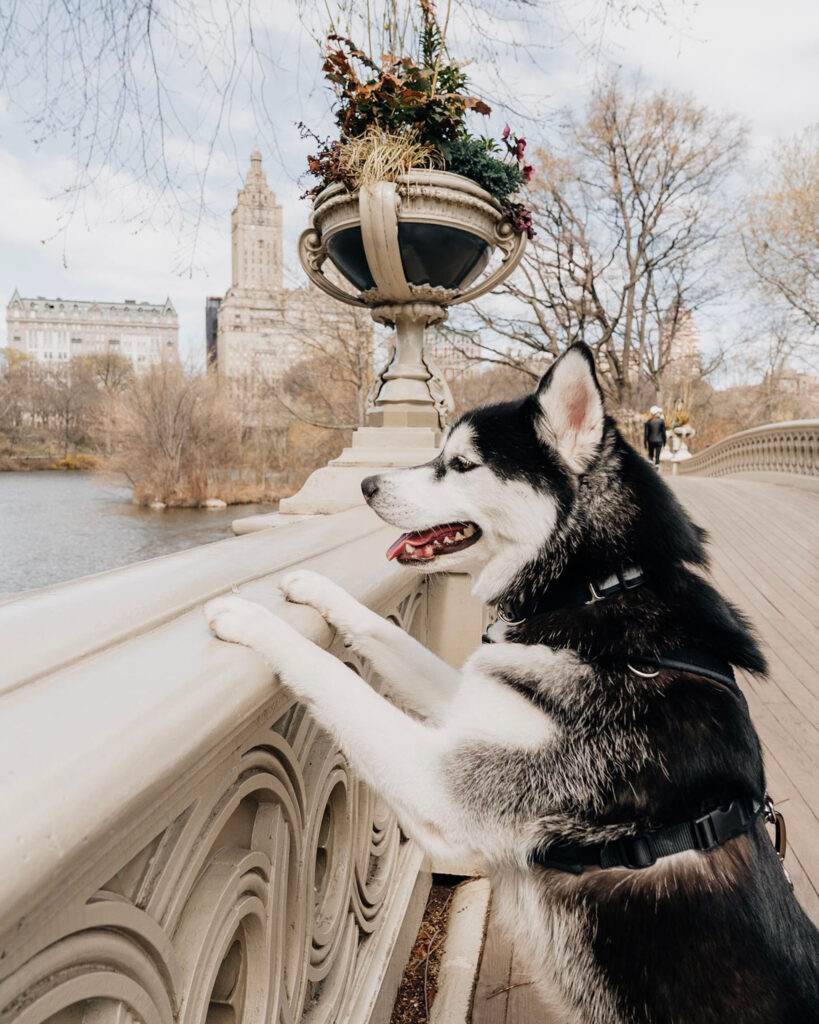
{"type": "Point", "coordinates": [654, 435]}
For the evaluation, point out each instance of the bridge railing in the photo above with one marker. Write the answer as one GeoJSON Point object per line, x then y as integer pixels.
{"type": "Point", "coordinates": [180, 842]}
{"type": "Point", "coordinates": [791, 447]}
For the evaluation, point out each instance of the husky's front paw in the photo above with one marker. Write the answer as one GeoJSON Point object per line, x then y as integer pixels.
{"type": "Point", "coordinates": [315, 590]}
{"type": "Point", "coordinates": [238, 621]}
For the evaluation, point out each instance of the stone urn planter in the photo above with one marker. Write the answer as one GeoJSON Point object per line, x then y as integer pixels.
{"type": "Point", "coordinates": [409, 249]}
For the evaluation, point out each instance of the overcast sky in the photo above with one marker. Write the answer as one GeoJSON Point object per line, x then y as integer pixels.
{"type": "Point", "coordinates": [750, 57]}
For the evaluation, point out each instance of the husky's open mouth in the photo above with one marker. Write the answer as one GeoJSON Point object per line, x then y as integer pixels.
{"type": "Point", "coordinates": [422, 545]}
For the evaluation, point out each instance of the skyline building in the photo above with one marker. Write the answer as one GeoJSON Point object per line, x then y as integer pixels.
{"type": "Point", "coordinates": [257, 331]}
{"type": "Point", "coordinates": [53, 331]}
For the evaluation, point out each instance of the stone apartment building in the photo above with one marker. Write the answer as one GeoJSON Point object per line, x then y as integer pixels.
{"type": "Point", "coordinates": [53, 331]}
{"type": "Point", "coordinates": [258, 329]}
{"type": "Point", "coordinates": [455, 353]}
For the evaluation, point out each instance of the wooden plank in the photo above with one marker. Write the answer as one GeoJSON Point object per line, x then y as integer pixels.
{"type": "Point", "coordinates": [796, 766]}
{"type": "Point", "coordinates": [786, 643]}
{"type": "Point", "coordinates": [778, 567]}
{"type": "Point", "coordinates": [734, 525]}
{"type": "Point", "coordinates": [765, 505]}
{"type": "Point", "coordinates": [803, 847]}
{"type": "Point", "coordinates": [525, 1006]}
{"type": "Point", "coordinates": [492, 991]}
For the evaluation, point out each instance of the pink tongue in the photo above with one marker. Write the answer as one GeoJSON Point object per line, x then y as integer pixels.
{"type": "Point", "coordinates": [416, 539]}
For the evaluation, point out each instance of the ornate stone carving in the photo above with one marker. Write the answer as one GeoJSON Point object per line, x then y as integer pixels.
{"type": "Point", "coordinates": [421, 292]}
{"type": "Point", "coordinates": [438, 388]}
{"type": "Point", "coordinates": [774, 448]}
{"type": "Point", "coordinates": [253, 900]}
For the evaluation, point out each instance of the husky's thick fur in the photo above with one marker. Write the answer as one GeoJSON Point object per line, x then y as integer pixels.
{"type": "Point", "coordinates": [548, 736]}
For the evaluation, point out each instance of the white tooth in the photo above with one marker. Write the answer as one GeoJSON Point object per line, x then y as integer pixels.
{"type": "Point", "coordinates": [447, 539]}
{"type": "Point", "coordinates": [469, 531]}
{"type": "Point", "coordinates": [408, 549]}
{"type": "Point", "coordinates": [459, 536]}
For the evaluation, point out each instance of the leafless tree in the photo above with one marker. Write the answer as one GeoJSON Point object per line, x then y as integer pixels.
{"type": "Point", "coordinates": [175, 431]}
{"type": "Point", "coordinates": [72, 398]}
{"type": "Point", "coordinates": [329, 386]}
{"type": "Point", "coordinates": [153, 90]}
{"type": "Point", "coordinates": [629, 215]}
{"type": "Point", "coordinates": [18, 374]}
{"type": "Point", "coordinates": [781, 234]}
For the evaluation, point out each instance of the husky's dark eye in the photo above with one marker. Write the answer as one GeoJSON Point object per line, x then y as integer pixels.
{"type": "Point", "coordinates": [462, 465]}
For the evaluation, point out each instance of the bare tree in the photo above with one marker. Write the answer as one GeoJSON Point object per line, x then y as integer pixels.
{"type": "Point", "coordinates": [781, 235]}
{"type": "Point", "coordinates": [154, 90]}
{"type": "Point", "coordinates": [629, 217]}
{"type": "Point", "coordinates": [19, 376]}
{"type": "Point", "coordinates": [72, 398]}
{"type": "Point", "coordinates": [176, 432]}
{"type": "Point", "coordinates": [329, 386]}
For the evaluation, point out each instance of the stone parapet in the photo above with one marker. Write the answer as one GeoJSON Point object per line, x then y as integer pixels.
{"type": "Point", "coordinates": [787, 448]}
{"type": "Point", "coordinates": [181, 842]}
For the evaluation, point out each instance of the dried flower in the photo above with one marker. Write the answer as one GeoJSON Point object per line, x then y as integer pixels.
{"type": "Point", "coordinates": [505, 135]}
{"type": "Point", "coordinates": [528, 171]}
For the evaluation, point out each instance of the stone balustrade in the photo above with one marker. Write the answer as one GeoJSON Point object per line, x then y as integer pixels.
{"type": "Point", "coordinates": [180, 842]}
{"type": "Point", "coordinates": [791, 447]}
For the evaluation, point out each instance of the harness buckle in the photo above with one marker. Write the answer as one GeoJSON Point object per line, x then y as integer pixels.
{"type": "Point", "coordinates": [628, 852]}
{"type": "Point", "coordinates": [705, 833]}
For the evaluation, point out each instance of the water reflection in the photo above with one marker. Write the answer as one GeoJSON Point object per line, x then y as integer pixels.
{"type": "Point", "coordinates": [56, 526]}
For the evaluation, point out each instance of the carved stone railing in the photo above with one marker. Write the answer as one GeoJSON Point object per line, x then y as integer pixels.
{"type": "Point", "coordinates": [180, 842]}
{"type": "Point", "coordinates": [791, 448]}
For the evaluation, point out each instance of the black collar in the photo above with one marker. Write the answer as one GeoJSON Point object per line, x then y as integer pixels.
{"type": "Point", "coordinates": [565, 596]}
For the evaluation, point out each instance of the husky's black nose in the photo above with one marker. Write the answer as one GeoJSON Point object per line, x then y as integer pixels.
{"type": "Point", "coordinates": [369, 486]}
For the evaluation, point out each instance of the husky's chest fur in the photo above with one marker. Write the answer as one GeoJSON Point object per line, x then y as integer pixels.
{"type": "Point", "coordinates": [548, 736]}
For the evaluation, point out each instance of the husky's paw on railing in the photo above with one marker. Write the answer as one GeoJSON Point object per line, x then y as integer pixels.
{"type": "Point", "coordinates": [181, 843]}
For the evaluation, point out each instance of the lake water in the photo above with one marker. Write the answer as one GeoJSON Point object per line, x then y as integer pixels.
{"type": "Point", "coordinates": [55, 526]}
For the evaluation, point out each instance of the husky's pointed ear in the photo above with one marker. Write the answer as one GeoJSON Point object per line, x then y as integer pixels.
{"type": "Point", "coordinates": [571, 405]}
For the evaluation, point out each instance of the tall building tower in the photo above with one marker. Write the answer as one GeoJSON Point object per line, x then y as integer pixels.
{"type": "Point", "coordinates": [256, 233]}
{"type": "Point", "coordinates": [259, 328]}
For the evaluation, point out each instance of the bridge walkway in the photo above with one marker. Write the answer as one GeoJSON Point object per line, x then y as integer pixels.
{"type": "Point", "coordinates": [765, 558]}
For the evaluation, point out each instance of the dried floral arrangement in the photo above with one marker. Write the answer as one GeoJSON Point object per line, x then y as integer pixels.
{"type": "Point", "coordinates": [405, 112]}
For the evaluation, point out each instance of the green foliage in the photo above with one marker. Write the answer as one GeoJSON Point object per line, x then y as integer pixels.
{"type": "Point", "coordinates": [428, 100]}
{"type": "Point", "coordinates": [473, 158]}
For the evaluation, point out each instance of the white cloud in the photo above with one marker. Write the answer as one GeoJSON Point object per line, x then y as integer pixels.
{"type": "Point", "coordinates": [743, 57]}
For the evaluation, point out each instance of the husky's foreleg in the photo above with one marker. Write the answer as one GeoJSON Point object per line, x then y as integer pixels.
{"type": "Point", "coordinates": [397, 756]}
{"type": "Point", "coordinates": [417, 678]}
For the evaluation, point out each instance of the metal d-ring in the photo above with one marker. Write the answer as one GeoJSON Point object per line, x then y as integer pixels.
{"type": "Point", "coordinates": [642, 675]}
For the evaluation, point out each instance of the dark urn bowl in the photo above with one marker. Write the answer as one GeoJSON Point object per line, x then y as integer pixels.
{"type": "Point", "coordinates": [431, 254]}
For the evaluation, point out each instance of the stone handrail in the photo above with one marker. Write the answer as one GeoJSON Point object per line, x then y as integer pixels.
{"type": "Point", "coordinates": [791, 447]}
{"type": "Point", "coordinates": [180, 842]}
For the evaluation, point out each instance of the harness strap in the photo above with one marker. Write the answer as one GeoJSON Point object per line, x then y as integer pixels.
{"type": "Point", "coordinates": [643, 850]}
{"type": "Point", "coordinates": [691, 659]}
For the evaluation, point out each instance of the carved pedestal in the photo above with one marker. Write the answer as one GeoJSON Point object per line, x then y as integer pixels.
{"type": "Point", "coordinates": [412, 248]}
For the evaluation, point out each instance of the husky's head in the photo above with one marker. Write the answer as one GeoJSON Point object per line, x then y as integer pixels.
{"type": "Point", "coordinates": [506, 479]}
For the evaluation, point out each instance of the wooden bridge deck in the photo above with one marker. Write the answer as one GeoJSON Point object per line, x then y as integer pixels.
{"type": "Point", "coordinates": [765, 558]}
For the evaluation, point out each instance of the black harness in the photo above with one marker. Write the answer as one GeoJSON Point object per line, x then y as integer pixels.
{"type": "Point", "coordinates": [646, 848]}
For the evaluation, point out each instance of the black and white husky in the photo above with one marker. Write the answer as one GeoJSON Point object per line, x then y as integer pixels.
{"type": "Point", "coordinates": [596, 753]}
